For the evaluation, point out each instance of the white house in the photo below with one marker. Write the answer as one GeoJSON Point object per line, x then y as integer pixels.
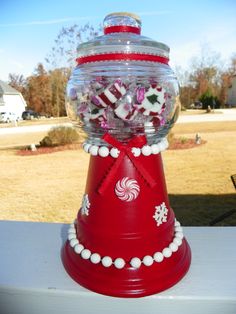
{"type": "Point", "coordinates": [231, 97]}
{"type": "Point", "coordinates": [11, 101]}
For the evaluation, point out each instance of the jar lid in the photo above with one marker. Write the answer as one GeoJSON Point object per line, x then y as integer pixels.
{"type": "Point", "coordinates": [122, 41]}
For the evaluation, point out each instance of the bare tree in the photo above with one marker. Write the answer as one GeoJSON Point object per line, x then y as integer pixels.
{"type": "Point", "coordinates": [63, 53]}
{"type": "Point", "coordinates": [205, 74]}
{"type": "Point", "coordinates": [58, 81]}
{"type": "Point", "coordinates": [17, 81]}
{"type": "Point", "coordinates": [226, 78]}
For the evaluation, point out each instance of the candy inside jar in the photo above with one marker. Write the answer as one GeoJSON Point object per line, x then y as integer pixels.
{"type": "Point", "coordinates": [123, 85]}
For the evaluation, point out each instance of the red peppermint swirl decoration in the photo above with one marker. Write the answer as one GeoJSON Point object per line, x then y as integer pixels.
{"type": "Point", "coordinates": [122, 29]}
{"type": "Point", "coordinates": [118, 56]}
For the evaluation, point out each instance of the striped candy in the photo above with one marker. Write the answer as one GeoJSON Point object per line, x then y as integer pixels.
{"type": "Point", "coordinates": [110, 95]}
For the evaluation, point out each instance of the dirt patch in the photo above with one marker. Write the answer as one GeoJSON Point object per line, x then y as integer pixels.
{"type": "Point", "coordinates": [184, 143]}
{"type": "Point", "coordinates": [47, 150]}
{"type": "Point", "coordinates": [176, 143]}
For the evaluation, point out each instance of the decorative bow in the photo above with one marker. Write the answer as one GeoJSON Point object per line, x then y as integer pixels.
{"type": "Point", "coordinates": [126, 150]}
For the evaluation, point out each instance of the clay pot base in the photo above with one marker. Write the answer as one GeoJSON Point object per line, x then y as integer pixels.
{"type": "Point", "coordinates": [128, 282]}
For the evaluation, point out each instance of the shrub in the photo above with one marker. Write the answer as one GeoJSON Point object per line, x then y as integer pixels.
{"type": "Point", "coordinates": [183, 140]}
{"type": "Point", "coordinates": [60, 135]}
{"type": "Point", "coordinates": [209, 101]}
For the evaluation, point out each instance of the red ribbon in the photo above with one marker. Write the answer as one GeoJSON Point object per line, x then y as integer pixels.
{"type": "Point", "coordinates": [122, 29]}
{"type": "Point", "coordinates": [122, 57]}
{"type": "Point", "coordinates": [126, 150]}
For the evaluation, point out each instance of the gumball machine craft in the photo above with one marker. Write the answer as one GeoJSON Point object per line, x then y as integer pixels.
{"type": "Point", "coordinates": [125, 241]}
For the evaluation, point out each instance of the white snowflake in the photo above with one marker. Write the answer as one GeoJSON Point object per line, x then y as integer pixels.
{"type": "Point", "coordinates": [161, 214]}
{"type": "Point", "coordinates": [85, 205]}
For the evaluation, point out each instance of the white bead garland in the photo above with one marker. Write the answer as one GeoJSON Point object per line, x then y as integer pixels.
{"type": "Point", "coordinates": [177, 224]}
{"type": "Point", "coordinates": [158, 257]}
{"type": "Point", "coordinates": [93, 150]}
{"type": "Point", "coordinates": [167, 252]}
{"type": "Point", "coordinates": [85, 254]}
{"type": "Point", "coordinates": [148, 260]}
{"type": "Point", "coordinates": [136, 151]}
{"type": "Point", "coordinates": [106, 261]}
{"type": "Point", "coordinates": [179, 235]}
{"type": "Point", "coordinates": [177, 241]}
{"type": "Point", "coordinates": [95, 258]}
{"type": "Point", "coordinates": [163, 144]}
{"type": "Point", "coordinates": [103, 151]}
{"type": "Point", "coordinates": [178, 229]}
{"type": "Point", "coordinates": [173, 247]}
{"type": "Point", "coordinates": [72, 230]}
{"type": "Point", "coordinates": [71, 236]}
{"type": "Point", "coordinates": [155, 149]}
{"type": "Point", "coordinates": [86, 147]}
{"type": "Point", "coordinates": [73, 242]}
{"type": "Point", "coordinates": [135, 262]}
{"type": "Point", "coordinates": [114, 152]}
{"type": "Point", "coordinates": [78, 248]}
{"type": "Point", "coordinates": [146, 150]}
{"type": "Point", "coordinates": [119, 262]}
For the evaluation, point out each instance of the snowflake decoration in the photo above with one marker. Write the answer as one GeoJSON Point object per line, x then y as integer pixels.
{"type": "Point", "coordinates": [161, 214]}
{"type": "Point", "coordinates": [85, 205]}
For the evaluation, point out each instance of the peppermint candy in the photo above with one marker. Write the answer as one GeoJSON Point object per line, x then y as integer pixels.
{"type": "Point", "coordinates": [96, 115]}
{"type": "Point", "coordinates": [125, 111]}
{"type": "Point", "coordinates": [111, 104]}
{"type": "Point", "coordinates": [83, 109]}
{"type": "Point", "coordinates": [127, 189]}
{"type": "Point", "coordinates": [110, 95]}
{"type": "Point", "coordinates": [151, 102]}
{"type": "Point", "coordinates": [99, 83]}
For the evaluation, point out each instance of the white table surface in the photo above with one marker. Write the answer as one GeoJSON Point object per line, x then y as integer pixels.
{"type": "Point", "coordinates": [33, 280]}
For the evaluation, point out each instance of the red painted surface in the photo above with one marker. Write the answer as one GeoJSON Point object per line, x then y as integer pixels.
{"type": "Point", "coordinates": [117, 228]}
{"type": "Point", "coordinates": [122, 29]}
{"type": "Point", "coordinates": [122, 57]}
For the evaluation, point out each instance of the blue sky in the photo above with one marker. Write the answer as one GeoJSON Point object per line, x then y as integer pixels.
{"type": "Point", "coordinates": [28, 28]}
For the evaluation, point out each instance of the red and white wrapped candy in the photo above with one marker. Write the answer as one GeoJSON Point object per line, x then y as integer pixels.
{"type": "Point", "coordinates": [82, 109]}
{"type": "Point", "coordinates": [110, 95]}
{"type": "Point", "coordinates": [152, 101]}
{"type": "Point", "coordinates": [99, 83]}
{"type": "Point", "coordinates": [125, 111]}
{"type": "Point", "coordinates": [97, 114]}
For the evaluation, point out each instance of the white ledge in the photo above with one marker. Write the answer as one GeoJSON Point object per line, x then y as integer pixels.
{"type": "Point", "coordinates": [33, 280]}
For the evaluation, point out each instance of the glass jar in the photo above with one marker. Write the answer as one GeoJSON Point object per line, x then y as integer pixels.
{"type": "Point", "coordinates": [123, 85]}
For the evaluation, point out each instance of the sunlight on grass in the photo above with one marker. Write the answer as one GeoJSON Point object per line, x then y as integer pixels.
{"type": "Point", "coordinates": [50, 187]}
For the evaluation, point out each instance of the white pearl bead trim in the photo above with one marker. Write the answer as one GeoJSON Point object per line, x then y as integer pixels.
{"type": "Point", "coordinates": [119, 262]}
{"type": "Point", "coordinates": [146, 150]}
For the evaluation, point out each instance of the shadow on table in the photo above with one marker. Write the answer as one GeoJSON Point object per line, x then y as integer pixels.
{"type": "Point", "coordinates": [204, 209]}
{"type": "Point", "coordinates": [64, 232]}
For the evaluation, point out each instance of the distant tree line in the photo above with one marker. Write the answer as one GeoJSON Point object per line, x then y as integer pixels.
{"type": "Point", "coordinates": [44, 91]}
{"type": "Point", "coordinates": [206, 81]}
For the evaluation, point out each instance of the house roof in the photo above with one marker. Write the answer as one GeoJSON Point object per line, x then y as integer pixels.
{"type": "Point", "coordinates": [7, 89]}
